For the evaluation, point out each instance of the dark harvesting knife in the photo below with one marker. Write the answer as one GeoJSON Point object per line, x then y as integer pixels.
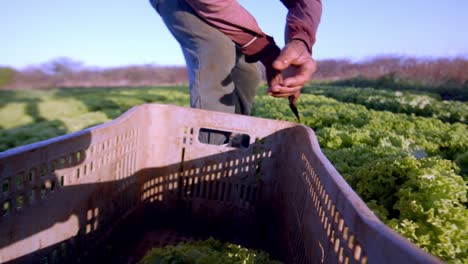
{"type": "Point", "coordinates": [293, 107]}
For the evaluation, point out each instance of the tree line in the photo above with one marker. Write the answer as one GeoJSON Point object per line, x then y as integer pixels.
{"type": "Point", "coordinates": [391, 70]}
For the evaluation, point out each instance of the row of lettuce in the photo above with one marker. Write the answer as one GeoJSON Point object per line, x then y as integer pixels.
{"type": "Point", "coordinates": [420, 104]}
{"type": "Point", "coordinates": [410, 170]}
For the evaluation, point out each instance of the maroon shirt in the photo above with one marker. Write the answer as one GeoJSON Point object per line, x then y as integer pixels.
{"type": "Point", "coordinates": [238, 24]}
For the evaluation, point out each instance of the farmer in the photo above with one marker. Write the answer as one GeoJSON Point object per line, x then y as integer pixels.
{"type": "Point", "coordinates": [221, 42]}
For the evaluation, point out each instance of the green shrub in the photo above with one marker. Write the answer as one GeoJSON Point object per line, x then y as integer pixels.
{"type": "Point", "coordinates": [6, 76]}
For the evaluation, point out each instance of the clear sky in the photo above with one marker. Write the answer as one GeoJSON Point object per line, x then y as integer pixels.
{"type": "Point", "coordinates": [110, 33]}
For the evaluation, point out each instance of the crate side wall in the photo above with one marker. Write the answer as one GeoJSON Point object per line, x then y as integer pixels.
{"type": "Point", "coordinates": [324, 219]}
{"type": "Point", "coordinates": [66, 193]}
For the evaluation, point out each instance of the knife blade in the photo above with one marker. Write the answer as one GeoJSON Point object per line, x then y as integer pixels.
{"type": "Point", "coordinates": [293, 108]}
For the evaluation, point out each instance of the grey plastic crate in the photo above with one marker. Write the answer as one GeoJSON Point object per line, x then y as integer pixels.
{"type": "Point", "coordinates": [111, 192]}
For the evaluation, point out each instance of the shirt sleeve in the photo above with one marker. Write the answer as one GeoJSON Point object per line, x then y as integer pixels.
{"type": "Point", "coordinates": [303, 20]}
{"type": "Point", "coordinates": [238, 24]}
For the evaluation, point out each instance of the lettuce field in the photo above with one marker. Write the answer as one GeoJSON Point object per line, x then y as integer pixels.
{"type": "Point", "coordinates": [404, 153]}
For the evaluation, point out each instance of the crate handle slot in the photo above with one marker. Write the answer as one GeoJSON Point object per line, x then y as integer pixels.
{"type": "Point", "coordinates": [223, 138]}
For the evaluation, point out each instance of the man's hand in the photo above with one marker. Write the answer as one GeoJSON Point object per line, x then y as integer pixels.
{"type": "Point", "coordinates": [296, 67]}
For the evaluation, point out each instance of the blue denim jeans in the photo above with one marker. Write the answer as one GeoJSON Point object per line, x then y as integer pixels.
{"type": "Point", "coordinates": [219, 77]}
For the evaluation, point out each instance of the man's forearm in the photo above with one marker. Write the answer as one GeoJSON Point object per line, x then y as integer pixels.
{"type": "Point", "coordinates": [295, 59]}
{"type": "Point", "coordinates": [303, 20]}
{"type": "Point", "coordinates": [238, 24]}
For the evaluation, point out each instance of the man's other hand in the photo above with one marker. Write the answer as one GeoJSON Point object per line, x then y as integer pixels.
{"type": "Point", "coordinates": [296, 65]}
